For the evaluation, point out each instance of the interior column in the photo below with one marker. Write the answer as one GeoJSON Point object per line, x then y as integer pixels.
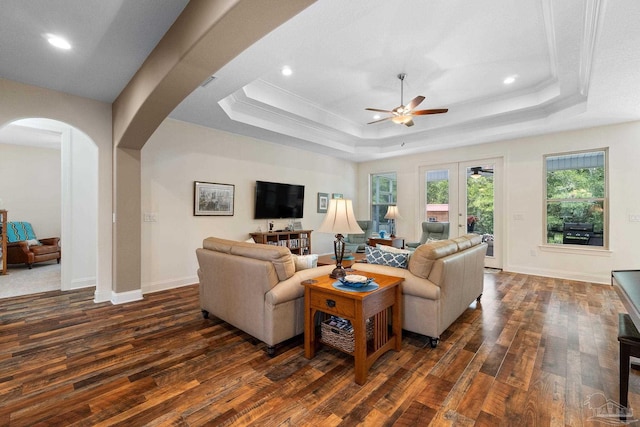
{"type": "Point", "coordinates": [127, 226]}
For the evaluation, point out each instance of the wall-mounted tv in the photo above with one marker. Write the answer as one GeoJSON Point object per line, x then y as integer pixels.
{"type": "Point", "coordinates": [275, 200]}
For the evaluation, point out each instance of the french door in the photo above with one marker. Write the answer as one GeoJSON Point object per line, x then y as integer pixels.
{"type": "Point", "coordinates": [467, 195]}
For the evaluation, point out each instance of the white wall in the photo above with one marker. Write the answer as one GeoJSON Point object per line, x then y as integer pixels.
{"type": "Point", "coordinates": [523, 192]}
{"type": "Point", "coordinates": [179, 153]}
{"type": "Point", "coordinates": [19, 101]}
{"type": "Point", "coordinates": [30, 187]}
{"type": "Point", "coordinates": [47, 177]}
{"type": "Point", "coordinates": [83, 216]}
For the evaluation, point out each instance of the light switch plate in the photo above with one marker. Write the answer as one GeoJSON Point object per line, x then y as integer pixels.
{"type": "Point", "coordinates": [150, 217]}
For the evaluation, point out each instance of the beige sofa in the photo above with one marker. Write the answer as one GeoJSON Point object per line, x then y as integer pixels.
{"type": "Point", "coordinates": [254, 287]}
{"type": "Point", "coordinates": [257, 289]}
{"type": "Point", "coordinates": [442, 279]}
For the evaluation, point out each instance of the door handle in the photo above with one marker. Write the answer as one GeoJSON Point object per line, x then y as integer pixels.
{"type": "Point", "coordinates": [331, 303]}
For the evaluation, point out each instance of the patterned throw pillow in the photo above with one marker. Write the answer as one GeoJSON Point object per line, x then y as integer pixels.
{"type": "Point", "coordinates": [392, 259]}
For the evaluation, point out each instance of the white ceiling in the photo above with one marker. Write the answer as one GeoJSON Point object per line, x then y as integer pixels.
{"type": "Point", "coordinates": [576, 64]}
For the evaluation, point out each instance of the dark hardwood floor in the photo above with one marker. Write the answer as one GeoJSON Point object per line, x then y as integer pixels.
{"type": "Point", "coordinates": [535, 351]}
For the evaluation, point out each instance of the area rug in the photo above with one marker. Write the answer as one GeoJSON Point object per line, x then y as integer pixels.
{"type": "Point", "coordinates": [19, 280]}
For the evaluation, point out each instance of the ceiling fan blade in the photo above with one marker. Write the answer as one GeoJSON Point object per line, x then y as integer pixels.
{"type": "Point", "coordinates": [409, 123]}
{"type": "Point", "coordinates": [477, 169]}
{"type": "Point", "coordinates": [415, 102]}
{"type": "Point", "coordinates": [378, 110]}
{"type": "Point", "coordinates": [378, 121]}
{"type": "Point", "coordinates": [425, 112]}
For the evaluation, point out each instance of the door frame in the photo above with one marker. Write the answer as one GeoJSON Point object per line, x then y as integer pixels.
{"type": "Point", "coordinates": [458, 201]}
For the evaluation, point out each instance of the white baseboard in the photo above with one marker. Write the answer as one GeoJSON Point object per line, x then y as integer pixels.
{"type": "Point", "coordinates": [83, 283]}
{"type": "Point", "coordinates": [125, 297]}
{"type": "Point", "coordinates": [558, 274]}
{"type": "Point", "coordinates": [137, 295]}
{"type": "Point", "coordinates": [99, 297]}
{"type": "Point", "coordinates": [163, 285]}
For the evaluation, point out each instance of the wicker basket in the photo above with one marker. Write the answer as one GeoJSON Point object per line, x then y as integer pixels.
{"type": "Point", "coordinates": [339, 333]}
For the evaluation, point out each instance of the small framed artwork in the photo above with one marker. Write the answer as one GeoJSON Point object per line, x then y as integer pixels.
{"type": "Point", "coordinates": [213, 199]}
{"type": "Point", "coordinates": [323, 202]}
{"type": "Point", "coordinates": [337, 196]}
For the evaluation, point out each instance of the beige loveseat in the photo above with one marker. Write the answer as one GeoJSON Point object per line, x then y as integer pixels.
{"type": "Point", "coordinates": [255, 287]}
{"type": "Point", "coordinates": [442, 279]}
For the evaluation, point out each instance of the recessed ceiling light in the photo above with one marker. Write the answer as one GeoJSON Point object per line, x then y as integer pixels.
{"type": "Point", "coordinates": [376, 117]}
{"type": "Point", "coordinates": [510, 79]}
{"type": "Point", "coordinates": [58, 41]}
{"type": "Point", "coordinates": [287, 71]}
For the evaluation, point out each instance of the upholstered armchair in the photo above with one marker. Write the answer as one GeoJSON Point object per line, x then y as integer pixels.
{"type": "Point", "coordinates": [24, 247]}
{"type": "Point", "coordinates": [431, 231]}
{"type": "Point", "coordinates": [357, 242]}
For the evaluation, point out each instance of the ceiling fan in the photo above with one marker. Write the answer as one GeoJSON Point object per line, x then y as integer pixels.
{"type": "Point", "coordinates": [475, 171]}
{"type": "Point", "coordinates": [403, 115]}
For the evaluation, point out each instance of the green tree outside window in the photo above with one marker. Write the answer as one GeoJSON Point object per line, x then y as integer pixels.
{"type": "Point", "coordinates": [576, 193]}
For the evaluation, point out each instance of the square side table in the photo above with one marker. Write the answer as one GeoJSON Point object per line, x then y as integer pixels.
{"type": "Point", "coordinates": [321, 297]}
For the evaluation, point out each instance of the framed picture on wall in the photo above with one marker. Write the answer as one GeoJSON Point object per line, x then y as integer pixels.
{"type": "Point", "coordinates": [323, 202]}
{"type": "Point", "coordinates": [337, 196]}
{"type": "Point", "coordinates": [212, 199]}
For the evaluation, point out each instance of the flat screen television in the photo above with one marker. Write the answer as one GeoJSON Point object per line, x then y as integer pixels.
{"type": "Point", "coordinates": [275, 200]}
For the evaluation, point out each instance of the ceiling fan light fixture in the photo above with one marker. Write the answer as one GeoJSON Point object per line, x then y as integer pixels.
{"type": "Point", "coordinates": [401, 120]}
{"type": "Point", "coordinates": [475, 172]}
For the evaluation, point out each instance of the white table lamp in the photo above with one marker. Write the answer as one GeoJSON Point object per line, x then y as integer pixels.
{"type": "Point", "coordinates": [392, 214]}
{"type": "Point", "coordinates": [339, 220]}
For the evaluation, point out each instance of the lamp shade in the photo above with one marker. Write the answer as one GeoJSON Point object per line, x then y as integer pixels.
{"type": "Point", "coordinates": [392, 213]}
{"type": "Point", "coordinates": [340, 218]}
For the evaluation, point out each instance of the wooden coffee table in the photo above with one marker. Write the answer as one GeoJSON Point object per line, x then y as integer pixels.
{"type": "Point", "coordinates": [357, 307]}
{"type": "Point", "coordinates": [330, 259]}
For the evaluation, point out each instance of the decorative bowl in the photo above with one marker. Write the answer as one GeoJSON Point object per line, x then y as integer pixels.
{"type": "Point", "coordinates": [355, 280]}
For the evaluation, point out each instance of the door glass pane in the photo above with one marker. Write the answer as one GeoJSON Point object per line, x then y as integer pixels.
{"type": "Point", "coordinates": [383, 194]}
{"type": "Point", "coordinates": [437, 197]}
{"type": "Point", "coordinates": [480, 203]}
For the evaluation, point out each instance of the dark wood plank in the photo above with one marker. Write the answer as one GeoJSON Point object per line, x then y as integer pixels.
{"type": "Point", "coordinates": [530, 353]}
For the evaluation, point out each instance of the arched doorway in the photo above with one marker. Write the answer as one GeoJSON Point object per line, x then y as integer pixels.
{"type": "Point", "coordinates": [77, 177]}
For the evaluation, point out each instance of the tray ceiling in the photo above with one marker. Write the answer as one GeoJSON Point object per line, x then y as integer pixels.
{"type": "Point", "coordinates": [575, 65]}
